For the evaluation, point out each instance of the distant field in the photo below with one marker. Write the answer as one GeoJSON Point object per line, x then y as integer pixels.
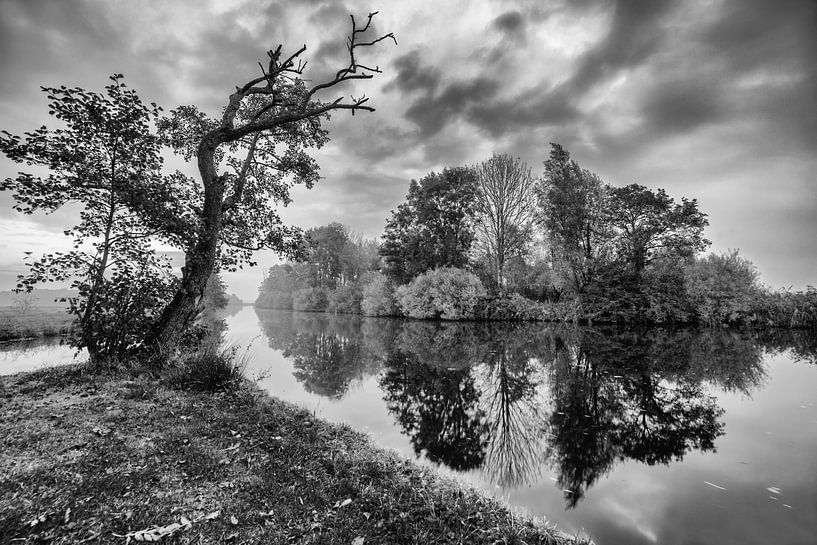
{"type": "Point", "coordinates": [37, 322]}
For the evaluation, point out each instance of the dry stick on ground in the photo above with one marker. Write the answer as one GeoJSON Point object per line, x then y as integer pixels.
{"type": "Point", "coordinates": [283, 102]}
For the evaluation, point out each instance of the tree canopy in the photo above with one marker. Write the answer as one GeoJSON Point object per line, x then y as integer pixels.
{"type": "Point", "coordinates": [105, 159]}
{"type": "Point", "coordinates": [650, 224]}
{"type": "Point", "coordinates": [260, 138]}
{"type": "Point", "coordinates": [433, 228]}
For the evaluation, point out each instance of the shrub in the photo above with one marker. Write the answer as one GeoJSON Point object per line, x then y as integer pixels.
{"type": "Point", "coordinates": [275, 299]}
{"type": "Point", "coordinates": [664, 293]}
{"type": "Point", "coordinates": [722, 288]}
{"type": "Point", "coordinates": [208, 370]}
{"type": "Point", "coordinates": [309, 299]}
{"type": "Point", "coordinates": [786, 308]}
{"type": "Point", "coordinates": [447, 293]}
{"type": "Point", "coordinates": [345, 299]}
{"type": "Point", "coordinates": [518, 308]}
{"type": "Point", "coordinates": [377, 296]}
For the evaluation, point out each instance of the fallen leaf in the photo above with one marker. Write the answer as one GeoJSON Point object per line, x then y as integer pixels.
{"type": "Point", "coordinates": [233, 520]}
{"type": "Point", "coordinates": [152, 535]}
{"type": "Point", "coordinates": [102, 432]}
{"type": "Point", "coordinates": [345, 502]}
{"type": "Point", "coordinates": [714, 485]}
{"type": "Point", "coordinates": [358, 540]}
{"type": "Point", "coordinates": [213, 515]}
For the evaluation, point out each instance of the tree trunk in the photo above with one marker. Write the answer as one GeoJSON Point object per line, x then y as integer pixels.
{"type": "Point", "coordinates": [201, 260]}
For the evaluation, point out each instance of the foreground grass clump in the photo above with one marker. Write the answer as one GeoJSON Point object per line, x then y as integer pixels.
{"type": "Point", "coordinates": [47, 322]}
{"type": "Point", "coordinates": [93, 459]}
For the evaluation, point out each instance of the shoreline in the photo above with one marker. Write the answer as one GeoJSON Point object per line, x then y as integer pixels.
{"type": "Point", "coordinates": [92, 457]}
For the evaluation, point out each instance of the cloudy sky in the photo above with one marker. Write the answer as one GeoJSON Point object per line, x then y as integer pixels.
{"type": "Point", "coordinates": [708, 99]}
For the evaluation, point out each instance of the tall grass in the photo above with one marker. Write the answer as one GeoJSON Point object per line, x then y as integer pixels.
{"type": "Point", "coordinates": [211, 369]}
{"type": "Point", "coordinates": [52, 322]}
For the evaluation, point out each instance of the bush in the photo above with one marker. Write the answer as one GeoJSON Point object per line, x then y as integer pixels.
{"type": "Point", "coordinates": [209, 370]}
{"type": "Point", "coordinates": [664, 293]}
{"type": "Point", "coordinates": [447, 293]}
{"type": "Point", "coordinates": [517, 308]}
{"type": "Point", "coordinates": [309, 299]}
{"type": "Point", "coordinates": [275, 299]}
{"type": "Point", "coordinates": [786, 308]}
{"type": "Point", "coordinates": [378, 296]}
{"type": "Point", "coordinates": [124, 308]}
{"type": "Point", "coordinates": [722, 288]}
{"type": "Point", "coordinates": [345, 299]}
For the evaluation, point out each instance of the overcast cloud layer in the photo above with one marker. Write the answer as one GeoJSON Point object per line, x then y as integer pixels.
{"type": "Point", "coordinates": [710, 99]}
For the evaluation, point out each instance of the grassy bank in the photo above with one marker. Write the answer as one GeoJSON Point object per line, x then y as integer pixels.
{"type": "Point", "coordinates": [90, 459]}
{"type": "Point", "coordinates": [40, 322]}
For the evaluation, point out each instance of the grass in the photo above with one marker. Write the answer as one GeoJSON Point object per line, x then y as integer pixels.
{"type": "Point", "coordinates": [86, 458]}
{"type": "Point", "coordinates": [38, 322]}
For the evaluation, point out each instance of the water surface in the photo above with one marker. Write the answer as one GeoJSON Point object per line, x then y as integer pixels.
{"type": "Point", "coordinates": [33, 354]}
{"type": "Point", "coordinates": [625, 436]}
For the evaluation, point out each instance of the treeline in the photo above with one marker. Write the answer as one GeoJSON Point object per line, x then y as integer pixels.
{"type": "Point", "coordinates": [496, 242]}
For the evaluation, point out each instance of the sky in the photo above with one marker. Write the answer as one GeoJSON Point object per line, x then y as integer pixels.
{"type": "Point", "coordinates": [708, 99]}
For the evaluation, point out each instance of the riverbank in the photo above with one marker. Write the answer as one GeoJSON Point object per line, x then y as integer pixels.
{"type": "Point", "coordinates": [91, 459]}
{"type": "Point", "coordinates": [34, 324]}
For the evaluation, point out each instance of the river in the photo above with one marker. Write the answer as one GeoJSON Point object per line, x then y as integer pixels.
{"type": "Point", "coordinates": [623, 436]}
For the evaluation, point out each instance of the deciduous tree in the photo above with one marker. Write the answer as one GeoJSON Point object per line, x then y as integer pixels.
{"type": "Point", "coordinates": [571, 204]}
{"type": "Point", "coordinates": [650, 224]}
{"type": "Point", "coordinates": [505, 207]}
{"type": "Point", "coordinates": [261, 136]}
{"type": "Point", "coordinates": [105, 159]}
{"type": "Point", "coordinates": [433, 228]}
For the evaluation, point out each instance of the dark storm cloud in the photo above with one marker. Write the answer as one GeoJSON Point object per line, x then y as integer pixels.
{"type": "Point", "coordinates": [511, 23]}
{"type": "Point", "coordinates": [413, 75]}
{"type": "Point", "coordinates": [432, 113]}
{"type": "Point", "coordinates": [754, 70]}
{"type": "Point", "coordinates": [750, 32]}
{"type": "Point", "coordinates": [776, 41]}
{"type": "Point", "coordinates": [681, 105]}
{"type": "Point", "coordinates": [533, 108]}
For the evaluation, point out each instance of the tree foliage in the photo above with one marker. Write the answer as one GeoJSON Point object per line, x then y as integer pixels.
{"type": "Point", "coordinates": [650, 224]}
{"type": "Point", "coordinates": [329, 277]}
{"type": "Point", "coordinates": [433, 228]}
{"type": "Point", "coordinates": [104, 159]}
{"type": "Point", "coordinates": [571, 202]}
{"type": "Point", "coordinates": [447, 293]}
{"type": "Point", "coordinates": [722, 288]}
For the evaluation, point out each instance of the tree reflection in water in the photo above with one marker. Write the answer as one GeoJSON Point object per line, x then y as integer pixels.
{"type": "Point", "coordinates": [514, 399]}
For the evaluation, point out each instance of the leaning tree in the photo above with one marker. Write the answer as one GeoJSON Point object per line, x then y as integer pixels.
{"type": "Point", "coordinates": [259, 141]}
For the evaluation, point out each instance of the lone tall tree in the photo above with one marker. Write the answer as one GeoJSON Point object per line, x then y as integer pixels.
{"type": "Point", "coordinates": [269, 119]}
{"type": "Point", "coordinates": [505, 207]}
